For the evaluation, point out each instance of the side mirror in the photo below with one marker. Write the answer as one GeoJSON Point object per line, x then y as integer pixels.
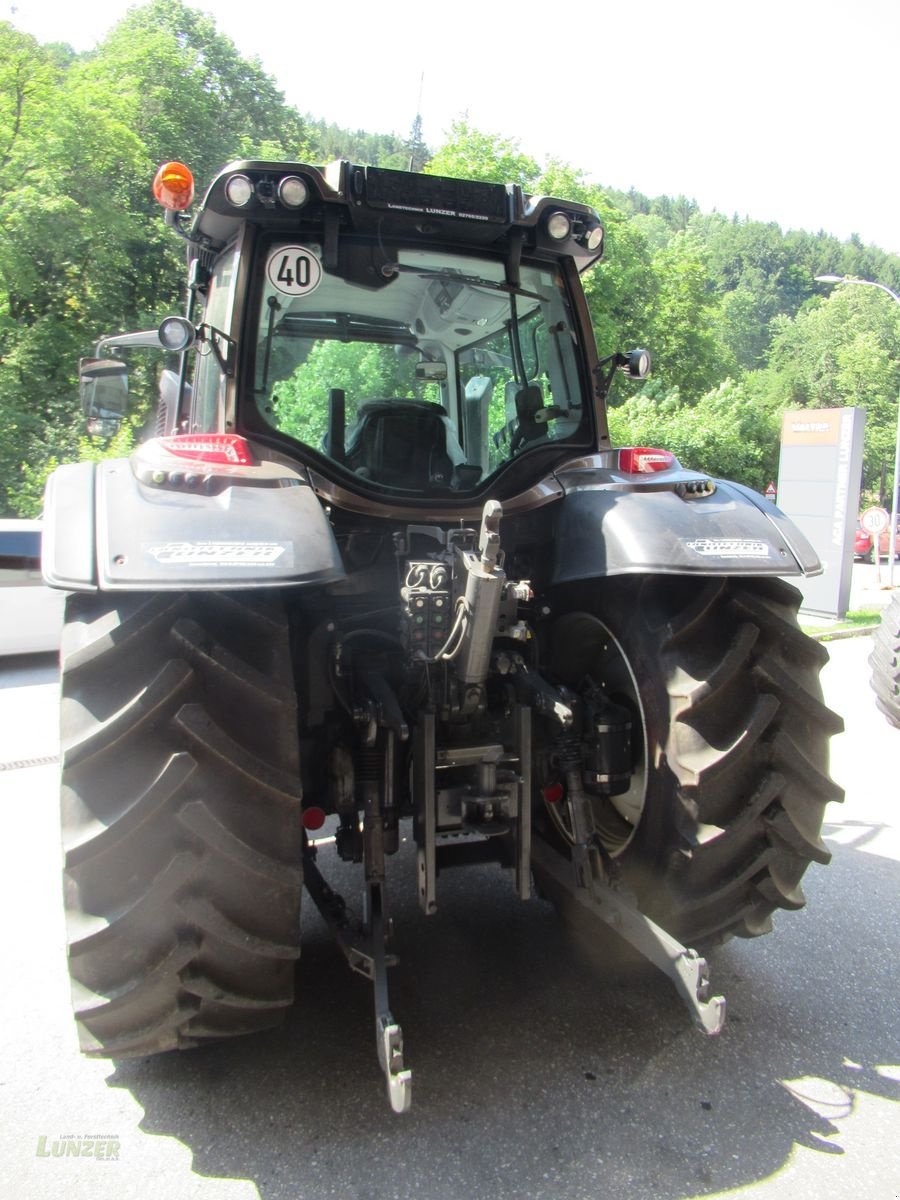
{"type": "Point", "coordinates": [103, 386]}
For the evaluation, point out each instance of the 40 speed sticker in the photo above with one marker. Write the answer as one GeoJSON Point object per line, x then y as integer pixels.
{"type": "Point", "coordinates": [222, 554]}
{"type": "Point", "coordinates": [294, 270]}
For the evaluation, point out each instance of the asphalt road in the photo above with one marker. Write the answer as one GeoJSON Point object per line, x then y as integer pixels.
{"type": "Point", "coordinates": [536, 1076]}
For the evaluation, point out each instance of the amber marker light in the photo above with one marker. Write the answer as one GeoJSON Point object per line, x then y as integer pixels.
{"type": "Point", "coordinates": [173, 186]}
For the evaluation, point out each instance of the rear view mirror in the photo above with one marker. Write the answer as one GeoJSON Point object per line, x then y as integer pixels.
{"type": "Point", "coordinates": [431, 370]}
{"type": "Point", "coordinates": [103, 385]}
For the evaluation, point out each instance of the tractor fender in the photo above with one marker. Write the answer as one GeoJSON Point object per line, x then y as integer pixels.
{"type": "Point", "coordinates": [614, 530]}
{"type": "Point", "coordinates": [107, 530]}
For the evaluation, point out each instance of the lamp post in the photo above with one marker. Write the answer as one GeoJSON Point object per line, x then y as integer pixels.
{"type": "Point", "coordinates": [892, 533]}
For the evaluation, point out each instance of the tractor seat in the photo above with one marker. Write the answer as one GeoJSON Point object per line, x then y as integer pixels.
{"type": "Point", "coordinates": [407, 444]}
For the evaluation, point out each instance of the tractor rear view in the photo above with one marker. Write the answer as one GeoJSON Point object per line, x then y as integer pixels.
{"type": "Point", "coordinates": [381, 576]}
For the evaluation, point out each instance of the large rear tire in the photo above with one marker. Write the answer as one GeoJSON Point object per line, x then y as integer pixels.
{"type": "Point", "coordinates": [730, 745]}
{"type": "Point", "coordinates": [180, 817]}
{"type": "Point", "coordinates": [885, 662]}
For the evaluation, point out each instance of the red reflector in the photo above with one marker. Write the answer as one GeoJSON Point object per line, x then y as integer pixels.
{"type": "Point", "coordinates": [643, 460]}
{"type": "Point", "coordinates": [210, 448]}
{"type": "Point", "coordinates": [313, 818]}
{"type": "Point", "coordinates": [553, 793]}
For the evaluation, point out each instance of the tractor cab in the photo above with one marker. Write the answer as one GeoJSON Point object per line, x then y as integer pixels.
{"type": "Point", "coordinates": [404, 337]}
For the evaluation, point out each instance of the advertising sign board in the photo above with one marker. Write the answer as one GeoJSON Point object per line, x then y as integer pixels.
{"type": "Point", "coordinates": [818, 487]}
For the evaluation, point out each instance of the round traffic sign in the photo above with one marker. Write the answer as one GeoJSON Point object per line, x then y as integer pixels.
{"type": "Point", "coordinates": [294, 270]}
{"type": "Point", "coordinates": [874, 520]}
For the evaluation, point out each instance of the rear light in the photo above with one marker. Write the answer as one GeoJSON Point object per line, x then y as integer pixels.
{"type": "Point", "coordinates": [643, 460]}
{"type": "Point", "coordinates": [227, 448]}
{"type": "Point", "coordinates": [173, 186]}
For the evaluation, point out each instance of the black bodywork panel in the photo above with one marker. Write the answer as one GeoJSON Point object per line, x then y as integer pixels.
{"type": "Point", "coordinates": [106, 530]}
{"type": "Point", "coordinates": [613, 531]}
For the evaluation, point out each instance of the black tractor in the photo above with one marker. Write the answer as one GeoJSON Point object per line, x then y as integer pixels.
{"type": "Point", "coordinates": [379, 576]}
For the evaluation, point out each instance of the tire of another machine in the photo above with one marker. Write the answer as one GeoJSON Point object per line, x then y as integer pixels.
{"type": "Point", "coordinates": [885, 662]}
{"type": "Point", "coordinates": [180, 817]}
{"type": "Point", "coordinates": [732, 746]}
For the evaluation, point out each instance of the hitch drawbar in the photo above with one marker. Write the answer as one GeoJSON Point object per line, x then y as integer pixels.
{"type": "Point", "coordinates": [685, 967]}
{"type": "Point", "coordinates": [364, 949]}
{"type": "Point", "coordinates": [363, 946]}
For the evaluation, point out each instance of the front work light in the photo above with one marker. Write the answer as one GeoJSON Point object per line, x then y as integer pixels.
{"type": "Point", "coordinates": [173, 186]}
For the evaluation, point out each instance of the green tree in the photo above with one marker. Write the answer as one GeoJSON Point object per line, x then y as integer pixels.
{"type": "Point", "coordinates": [471, 154]}
{"type": "Point", "coordinates": [83, 251]}
{"type": "Point", "coordinates": [364, 371]}
{"type": "Point", "coordinates": [65, 230]}
{"type": "Point", "coordinates": [844, 350]}
{"type": "Point", "coordinates": [415, 147]}
{"type": "Point", "coordinates": [331, 141]}
{"type": "Point", "coordinates": [687, 353]}
{"type": "Point", "coordinates": [731, 432]}
{"type": "Point", "coordinates": [28, 494]}
{"type": "Point", "coordinates": [187, 93]}
{"type": "Point", "coordinates": [622, 288]}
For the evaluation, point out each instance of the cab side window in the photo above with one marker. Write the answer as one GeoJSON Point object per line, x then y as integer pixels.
{"type": "Point", "coordinates": [209, 382]}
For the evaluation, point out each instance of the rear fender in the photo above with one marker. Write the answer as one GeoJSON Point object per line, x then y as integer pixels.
{"type": "Point", "coordinates": [106, 530]}
{"type": "Point", "coordinates": [667, 530]}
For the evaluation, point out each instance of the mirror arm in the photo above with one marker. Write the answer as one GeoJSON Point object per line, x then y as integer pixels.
{"type": "Point", "coordinates": [147, 337]}
{"type": "Point", "coordinates": [179, 221]}
{"type": "Point", "coordinates": [183, 366]}
{"type": "Point", "coordinates": [212, 337]}
{"type": "Point", "coordinates": [605, 377]}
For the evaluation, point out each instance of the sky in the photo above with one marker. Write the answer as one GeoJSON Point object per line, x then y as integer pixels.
{"type": "Point", "coordinates": [778, 110]}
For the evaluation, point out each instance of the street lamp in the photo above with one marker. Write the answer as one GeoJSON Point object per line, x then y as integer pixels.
{"type": "Point", "coordinates": [892, 535]}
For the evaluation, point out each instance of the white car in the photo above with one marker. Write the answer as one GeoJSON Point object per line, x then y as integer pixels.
{"type": "Point", "coordinates": [31, 614]}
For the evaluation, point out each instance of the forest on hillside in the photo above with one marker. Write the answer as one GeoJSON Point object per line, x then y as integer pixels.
{"type": "Point", "coordinates": [738, 328]}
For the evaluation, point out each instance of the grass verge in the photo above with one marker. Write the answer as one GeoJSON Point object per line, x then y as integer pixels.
{"type": "Point", "coordinates": [860, 620]}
